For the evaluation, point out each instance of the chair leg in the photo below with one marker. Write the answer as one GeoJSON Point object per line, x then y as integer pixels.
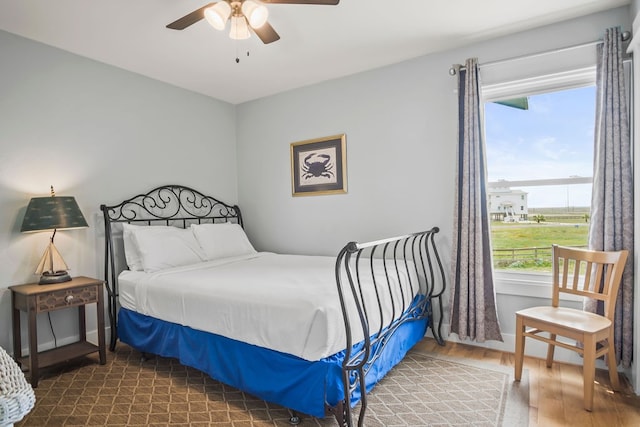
{"type": "Point", "coordinates": [589, 370]}
{"type": "Point", "coordinates": [612, 363]}
{"type": "Point", "coordinates": [519, 353]}
{"type": "Point", "coordinates": [550, 351]}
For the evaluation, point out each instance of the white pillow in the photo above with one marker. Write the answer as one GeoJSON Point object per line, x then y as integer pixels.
{"type": "Point", "coordinates": [166, 247]}
{"type": "Point", "coordinates": [131, 252]}
{"type": "Point", "coordinates": [222, 240]}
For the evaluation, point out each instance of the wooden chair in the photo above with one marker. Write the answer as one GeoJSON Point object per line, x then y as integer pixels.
{"type": "Point", "coordinates": [593, 274]}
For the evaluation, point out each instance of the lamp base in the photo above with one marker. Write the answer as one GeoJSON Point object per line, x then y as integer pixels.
{"type": "Point", "coordinates": [49, 278]}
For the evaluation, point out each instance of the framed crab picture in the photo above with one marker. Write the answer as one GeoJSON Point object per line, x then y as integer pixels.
{"type": "Point", "coordinates": [318, 166]}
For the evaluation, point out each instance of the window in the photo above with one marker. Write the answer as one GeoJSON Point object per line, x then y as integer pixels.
{"type": "Point", "coordinates": [562, 85]}
{"type": "Point", "coordinates": [555, 77]}
{"type": "Point", "coordinates": [539, 158]}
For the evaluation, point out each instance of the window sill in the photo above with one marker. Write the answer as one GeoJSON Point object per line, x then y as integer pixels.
{"type": "Point", "coordinates": [527, 284]}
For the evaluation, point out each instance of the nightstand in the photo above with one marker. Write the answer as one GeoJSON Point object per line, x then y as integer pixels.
{"type": "Point", "coordinates": [34, 298]}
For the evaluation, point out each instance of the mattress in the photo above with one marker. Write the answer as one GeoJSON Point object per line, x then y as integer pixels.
{"type": "Point", "coordinates": [286, 303]}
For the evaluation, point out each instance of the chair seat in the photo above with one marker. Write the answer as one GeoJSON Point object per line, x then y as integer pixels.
{"type": "Point", "coordinates": [577, 320]}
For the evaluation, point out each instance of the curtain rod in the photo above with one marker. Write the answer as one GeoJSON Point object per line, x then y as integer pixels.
{"type": "Point", "coordinates": [626, 35]}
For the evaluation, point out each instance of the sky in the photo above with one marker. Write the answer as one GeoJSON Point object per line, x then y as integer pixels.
{"type": "Point", "coordinates": [552, 139]}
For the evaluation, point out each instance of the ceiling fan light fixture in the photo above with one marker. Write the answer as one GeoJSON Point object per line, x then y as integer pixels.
{"type": "Point", "coordinates": [256, 13]}
{"type": "Point", "coordinates": [218, 14]}
{"type": "Point", "coordinates": [239, 28]}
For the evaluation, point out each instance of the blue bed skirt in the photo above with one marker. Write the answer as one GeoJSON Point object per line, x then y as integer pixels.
{"type": "Point", "coordinates": [273, 376]}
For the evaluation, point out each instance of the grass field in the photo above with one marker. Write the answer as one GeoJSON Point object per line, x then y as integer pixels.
{"type": "Point", "coordinates": [513, 244]}
{"type": "Point", "coordinates": [544, 234]}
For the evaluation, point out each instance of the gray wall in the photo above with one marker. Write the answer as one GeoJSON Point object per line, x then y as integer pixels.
{"type": "Point", "coordinates": [395, 155]}
{"type": "Point", "coordinates": [97, 133]}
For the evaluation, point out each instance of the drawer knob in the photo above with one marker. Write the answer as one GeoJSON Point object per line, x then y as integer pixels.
{"type": "Point", "coordinates": [68, 299]}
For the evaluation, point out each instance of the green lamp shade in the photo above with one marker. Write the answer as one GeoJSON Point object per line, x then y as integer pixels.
{"type": "Point", "coordinates": [50, 213]}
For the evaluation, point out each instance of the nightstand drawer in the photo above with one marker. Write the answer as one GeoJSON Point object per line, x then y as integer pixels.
{"type": "Point", "coordinates": [66, 298]}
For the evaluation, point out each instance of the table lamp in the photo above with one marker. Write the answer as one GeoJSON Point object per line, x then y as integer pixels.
{"type": "Point", "coordinates": [52, 213]}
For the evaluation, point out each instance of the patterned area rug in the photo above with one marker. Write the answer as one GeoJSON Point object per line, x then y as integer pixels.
{"type": "Point", "coordinates": [421, 391]}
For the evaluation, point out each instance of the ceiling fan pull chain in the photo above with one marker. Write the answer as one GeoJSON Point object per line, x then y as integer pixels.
{"type": "Point", "coordinates": [237, 55]}
{"type": "Point", "coordinates": [238, 59]}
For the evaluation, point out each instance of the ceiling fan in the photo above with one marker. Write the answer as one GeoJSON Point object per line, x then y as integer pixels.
{"type": "Point", "coordinates": [243, 14]}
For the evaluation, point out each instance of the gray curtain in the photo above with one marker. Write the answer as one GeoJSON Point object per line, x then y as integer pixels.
{"type": "Point", "coordinates": [473, 305]}
{"type": "Point", "coordinates": [612, 198]}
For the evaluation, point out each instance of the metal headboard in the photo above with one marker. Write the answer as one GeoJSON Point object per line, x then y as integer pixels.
{"type": "Point", "coordinates": [174, 205]}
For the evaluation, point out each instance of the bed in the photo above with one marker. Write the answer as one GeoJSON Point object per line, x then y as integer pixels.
{"type": "Point", "coordinates": [311, 333]}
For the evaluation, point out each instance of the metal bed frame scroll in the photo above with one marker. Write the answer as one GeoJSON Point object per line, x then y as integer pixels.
{"type": "Point", "coordinates": [414, 255]}
{"type": "Point", "coordinates": [398, 255]}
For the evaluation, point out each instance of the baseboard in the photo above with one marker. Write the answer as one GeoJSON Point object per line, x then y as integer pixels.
{"type": "Point", "coordinates": [533, 348]}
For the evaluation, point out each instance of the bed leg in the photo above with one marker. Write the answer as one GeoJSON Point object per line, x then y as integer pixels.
{"type": "Point", "coordinates": [144, 356]}
{"type": "Point", "coordinates": [295, 419]}
{"type": "Point", "coordinates": [437, 332]}
{"type": "Point", "coordinates": [340, 414]}
{"type": "Point", "coordinates": [113, 337]}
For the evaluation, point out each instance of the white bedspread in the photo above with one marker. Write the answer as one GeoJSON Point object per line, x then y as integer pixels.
{"type": "Point", "coordinates": [287, 303]}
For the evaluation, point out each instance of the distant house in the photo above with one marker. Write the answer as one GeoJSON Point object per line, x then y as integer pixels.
{"type": "Point", "coordinates": [508, 205]}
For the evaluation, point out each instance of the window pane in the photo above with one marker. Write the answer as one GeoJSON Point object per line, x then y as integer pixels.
{"type": "Point", "coordinates": [539, 167]}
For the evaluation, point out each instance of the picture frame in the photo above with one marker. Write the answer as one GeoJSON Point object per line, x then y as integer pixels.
{"type": "Point", "coordinates": [319, 166]}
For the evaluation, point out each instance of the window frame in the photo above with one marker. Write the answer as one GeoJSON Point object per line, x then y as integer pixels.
{"type": "Point", "coordinates": [533, 284]}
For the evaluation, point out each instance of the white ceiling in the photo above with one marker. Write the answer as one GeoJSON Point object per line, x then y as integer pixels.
{"type": "Point", "coordinates": [317, 42]}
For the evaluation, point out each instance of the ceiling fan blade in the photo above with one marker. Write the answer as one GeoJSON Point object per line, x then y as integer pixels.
{"type": "Point", "coordinates": [266, 33]}
{"type": "Point", "coordinates": [189, 19]}
{"type": "Point", "coordinates": [325, 2]}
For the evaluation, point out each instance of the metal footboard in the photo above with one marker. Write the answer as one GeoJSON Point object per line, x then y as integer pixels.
{"type": "Point", "coordinates": [393, 270]}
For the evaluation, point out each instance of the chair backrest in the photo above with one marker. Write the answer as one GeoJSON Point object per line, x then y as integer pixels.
{"type": "Point", "coordinates": [589, 273]}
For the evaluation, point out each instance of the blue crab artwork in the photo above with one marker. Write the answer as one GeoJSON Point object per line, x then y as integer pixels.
{"type": "Point", "coordinates": [317, 165]}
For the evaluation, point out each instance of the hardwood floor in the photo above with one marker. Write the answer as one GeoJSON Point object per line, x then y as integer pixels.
{"type": "Point", "coordinates": [555, 395]}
